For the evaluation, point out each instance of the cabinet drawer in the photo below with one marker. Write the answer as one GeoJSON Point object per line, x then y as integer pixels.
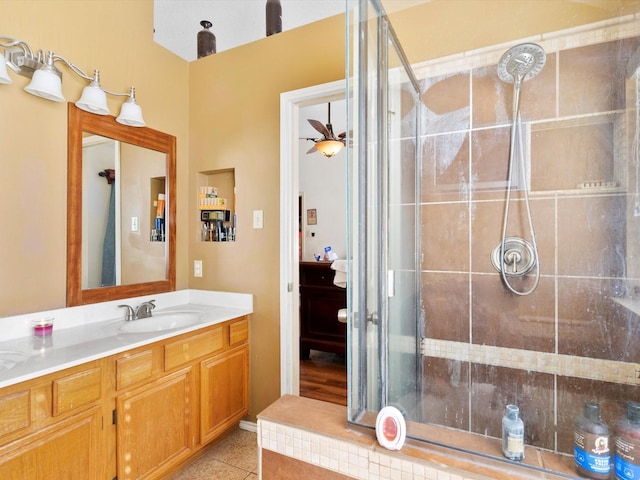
{"type": "Point", "coordinates": [134, 368]}
{"type": "Point", "coordinates": [238, 332]}
{"type": "Point", "coordinates": [183, 351]}
{"type": "Point", "coordinates": [76, 390]}
{"type": "Point", "coordinates": [16, 412]}
{"type": "Point", "coordinates": [316, 274]}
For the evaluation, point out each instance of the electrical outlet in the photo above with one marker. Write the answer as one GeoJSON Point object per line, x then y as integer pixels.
{"type": "Point", "coordinates": [134, 224]}
{"type": "Point", "coordinates": [197, 268]}
{"type": "Point", "coordinates": [257, 219]}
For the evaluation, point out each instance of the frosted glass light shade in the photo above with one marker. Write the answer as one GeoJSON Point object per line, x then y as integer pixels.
{"type": "Point", "coordinates": [4, 75]}
{"type": "Point", "coordinates": [329, 147]}
{"type": "Point", "coordinates": [93, 100]}
{"type": "Point", "coordinates": [46, 84]}
{"type": "Point", "coordinates": [131, 114]}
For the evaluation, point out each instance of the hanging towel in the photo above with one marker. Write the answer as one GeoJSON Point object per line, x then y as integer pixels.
{"type": "Point", "coordinates": [109, 245]}
{"type": "Point", "coordinates": [340, 267]}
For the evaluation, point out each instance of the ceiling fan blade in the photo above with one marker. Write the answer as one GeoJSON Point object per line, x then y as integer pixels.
{"type": "Point", "coordinates": [312, 149]}
{"type": "Point", "coordinates": [319, 127]}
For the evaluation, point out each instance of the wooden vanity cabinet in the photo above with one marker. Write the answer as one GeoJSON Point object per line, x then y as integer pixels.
{"type": "Point", "coordinates": [154, 425]}
{"type": "Point", "coordinates": [178, 395]}
{"type": "Point", "coordinates": [139, 414]}
{"type": "Point", "coordinates": [51, 427]}
{"type": "Point", "coordinates": [224, 394]}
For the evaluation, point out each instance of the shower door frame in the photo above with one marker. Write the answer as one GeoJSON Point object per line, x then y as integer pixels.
{"type": "Point", "coordinates": [369, 237]}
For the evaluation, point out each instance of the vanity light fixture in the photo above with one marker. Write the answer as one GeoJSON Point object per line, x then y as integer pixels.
{"type": "Point", "coordinates": [46, 81]}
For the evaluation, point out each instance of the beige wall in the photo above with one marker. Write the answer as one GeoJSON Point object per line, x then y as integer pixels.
{"type": "Point", "coordinates": [116, 37]}
{"type": "Point", "coordinates": [234, 118]}
{"type": "Point", "coordinates": [447, 27]}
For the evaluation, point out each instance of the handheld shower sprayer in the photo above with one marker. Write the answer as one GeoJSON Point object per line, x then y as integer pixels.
{"type": "Point", "coordinates": [514, 256]}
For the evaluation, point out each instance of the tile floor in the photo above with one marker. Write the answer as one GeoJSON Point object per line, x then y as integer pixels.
{"type": "Point", "coordinates": [234, 458]}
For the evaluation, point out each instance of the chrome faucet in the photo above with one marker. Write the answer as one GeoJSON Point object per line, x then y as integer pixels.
{"type": "Point", "coordinates": [143, 311]}
{"type": "Point", "coordinates": [130, 314]}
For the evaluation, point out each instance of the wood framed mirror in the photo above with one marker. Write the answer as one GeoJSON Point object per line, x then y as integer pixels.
{"type": "Point", "coordinates": [140, 260]}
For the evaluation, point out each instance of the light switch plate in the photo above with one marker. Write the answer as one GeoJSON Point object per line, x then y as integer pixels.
{"type": "Point", "coordinates": [134, 224]}
{"type": "Point", "coordinates": [257, 219]}
{"type": "Point", "coordinates": [197, 268]}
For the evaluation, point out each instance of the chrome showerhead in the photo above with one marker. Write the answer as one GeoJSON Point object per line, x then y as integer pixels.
{"type": "Point", "coordinates": [521, 62]}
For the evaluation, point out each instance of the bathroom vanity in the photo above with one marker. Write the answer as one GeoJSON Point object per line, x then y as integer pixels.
{"type": "Point", "coordinates": [132, 405]}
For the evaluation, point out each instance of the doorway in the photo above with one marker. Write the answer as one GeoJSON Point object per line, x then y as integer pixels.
{"type": "Point", "coordinates": [290, 105]}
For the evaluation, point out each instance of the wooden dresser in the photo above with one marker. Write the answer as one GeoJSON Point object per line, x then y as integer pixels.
{"type": "Point", "coordinates": [320, 301]}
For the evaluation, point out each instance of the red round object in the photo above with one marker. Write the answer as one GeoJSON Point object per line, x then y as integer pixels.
{"type": "Point", "coordinates": [389, 429]}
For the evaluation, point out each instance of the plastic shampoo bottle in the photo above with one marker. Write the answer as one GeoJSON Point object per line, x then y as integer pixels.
{"type": "Point", "coordinates": [591, 444]}
{"type": "Point", "coordinates": [626, 460]}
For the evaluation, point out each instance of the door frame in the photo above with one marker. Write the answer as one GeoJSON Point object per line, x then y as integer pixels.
{"type": "Point", "coordinates": [290, 103]}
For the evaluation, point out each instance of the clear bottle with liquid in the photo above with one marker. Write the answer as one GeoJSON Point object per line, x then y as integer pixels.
{"type": "Point", "coordinates": [591, 452]}
{"type": "Point", "coordinates": [512, 434]}
{"type": "Point", "coordinates": [626, 459]}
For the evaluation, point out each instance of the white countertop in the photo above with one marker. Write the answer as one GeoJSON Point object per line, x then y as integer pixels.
{"type": "Point", "coordinates": [73, 343]}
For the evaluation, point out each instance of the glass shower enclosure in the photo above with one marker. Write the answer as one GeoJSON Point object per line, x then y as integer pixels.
{"type": "Point", "coordinates": [433, 329]}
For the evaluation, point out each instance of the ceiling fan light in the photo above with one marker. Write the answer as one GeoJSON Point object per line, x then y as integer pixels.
{"type": "Point", "coordinates": [329, 147]}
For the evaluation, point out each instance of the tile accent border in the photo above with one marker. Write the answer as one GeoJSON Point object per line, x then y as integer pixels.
{"type": "Point", "coordinates": [543, 362]}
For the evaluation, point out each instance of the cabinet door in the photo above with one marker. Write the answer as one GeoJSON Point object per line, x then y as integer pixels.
{"type": "Point", "coordinates": [319, 325]}
{"type": "Point", "coordinates": [70, 449]}
{"type": "Point", "coordinates": [225, 391]}
{"type": "Point", "coordinates": [153, 426]}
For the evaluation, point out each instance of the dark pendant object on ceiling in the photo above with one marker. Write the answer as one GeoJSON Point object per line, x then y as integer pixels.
{"type": "Point", "coordinates": [274, 17]}
{"type": "Point", "coordinates": [206, 40]}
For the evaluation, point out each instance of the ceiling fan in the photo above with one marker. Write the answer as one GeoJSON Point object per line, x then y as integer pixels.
{"type": "Point", "coordinates": [329, 144]}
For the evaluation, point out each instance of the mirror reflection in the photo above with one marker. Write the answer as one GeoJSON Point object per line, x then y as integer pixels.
{"type": "Point", "coordinates": [123, 213]}
{"type": "Point", "coordinates": [121, 210]}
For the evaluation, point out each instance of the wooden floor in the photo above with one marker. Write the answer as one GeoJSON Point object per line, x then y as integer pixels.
{"type": "Point", "coordinates": [324, 377]}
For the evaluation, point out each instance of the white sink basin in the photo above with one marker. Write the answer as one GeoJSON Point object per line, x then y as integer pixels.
{"type": "Point", "coordinates": [10, 359]}
{"type": "Point", "coordinates": [160, 322]}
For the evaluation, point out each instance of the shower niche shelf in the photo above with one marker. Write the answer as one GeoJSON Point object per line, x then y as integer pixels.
{"type": "Point", "coordinates": [582, 154]}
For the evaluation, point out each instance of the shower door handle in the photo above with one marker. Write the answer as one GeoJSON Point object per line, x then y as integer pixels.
{"type": "Point", "coordinates": [372, 317]}
{"type": "Point", "coordinates": [342, 315]}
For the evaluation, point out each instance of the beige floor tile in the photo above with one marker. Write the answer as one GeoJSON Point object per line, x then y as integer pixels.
{"type": "Point", "coordinates": [239, 449]}
{"type": "Point", "coordinates": [235, 458]}
{"type": "Point", "coordinates": [210, 470]}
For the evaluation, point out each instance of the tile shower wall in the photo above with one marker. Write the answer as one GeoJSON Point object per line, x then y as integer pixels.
{"type": "Point", "coordinates": [577, 116]}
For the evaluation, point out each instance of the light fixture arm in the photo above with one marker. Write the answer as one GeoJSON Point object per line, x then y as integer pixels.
{"type": "Point", "coordinates": [95, 80]}
{"type": "Point", "coordinates": [52, 57]}
{"type": "Point", "coordinates": [19, 56]}
{"type": "Point", "coordinates": [7, 42]}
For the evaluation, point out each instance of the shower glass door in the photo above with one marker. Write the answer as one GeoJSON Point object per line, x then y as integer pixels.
{"type": "Point", "coordinates": [384, 225]}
